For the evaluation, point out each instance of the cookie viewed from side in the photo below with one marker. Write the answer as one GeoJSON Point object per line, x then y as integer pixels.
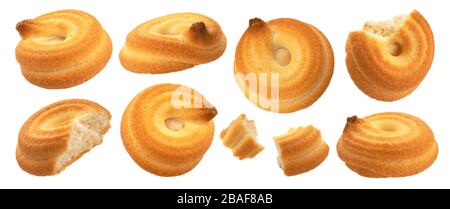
{"type": "Point", "coordinates": [172, 43]}
{"type": "Point", "coordinates": [62, 49]}
{"type": "Point", "coordinates": [389, 144]}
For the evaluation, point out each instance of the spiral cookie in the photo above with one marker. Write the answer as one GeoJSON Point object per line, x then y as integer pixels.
{"type": "Point", "coordinates": [240, 137]}
{"type": "Point", "coordinates": [59, 134]}
{"type": "Point", "coordinates": [62, 49]}
{"type": "Point", "coordinates": [167, 129]}
{"type": "Point", "coordinates": [301, 150]}
{"type": "Point", "coordinates": [172, 43]}
{"type": "Point", "coordinates": [283, 65]}
{"type": "Point", "coordinates": [387, 145]}
{"type": "Point", "coordinates": [388, 60]}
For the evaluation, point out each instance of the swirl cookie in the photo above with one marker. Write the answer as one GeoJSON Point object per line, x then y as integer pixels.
{"type": "Point", "coordinates": [172, 43]}
{"type": "Point", "coordinates": [59, 134]}
{"type": "Point", "coordinates": [283, 65]}
{"type": "Point", "coordinates": [62, 49]}
{"type": "Point", "coordinates": [167, 129]}
{"type": "Point", "coordinates": [240, 137]}
{"type": "Point", "coordinates": [387, 60]}
{"type": "Point", "coordinates": [387, 145]}
{"type": "Point", "coordinates": [301, 150]}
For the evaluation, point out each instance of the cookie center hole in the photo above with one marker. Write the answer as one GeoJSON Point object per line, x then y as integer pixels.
{"type": "Point", "coordinates": [395, 49]}
{"type": "Point", "coordinates": [388, 127]}
{"type": "Point", "coordinates": [59, 120]}
{"type": "Point", "coordinates": [282, 56]}
{"type": "Point", "coordinates": [171, 29]}
{"type": "Point", "coordinates": [174, 124]}
{"type": "Point", "coordinates": [51, 40]}
{"type": "Point", "coordinates": [56, 39]}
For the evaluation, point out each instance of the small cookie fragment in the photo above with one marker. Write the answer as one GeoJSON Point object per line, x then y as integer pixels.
{"type": "Point", "coordinates": [300, 150]}
{"type": "Point", "coordinates": [240, 137]}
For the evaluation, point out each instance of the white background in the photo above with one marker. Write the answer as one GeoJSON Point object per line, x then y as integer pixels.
{"type": "Point", "coordinates": [109, 165]}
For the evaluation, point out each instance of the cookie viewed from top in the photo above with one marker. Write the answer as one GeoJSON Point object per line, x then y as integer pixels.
{"type": "Point", "coordinates": [283, 65]}
{"type": "Point", "coordinates": [167, 128]}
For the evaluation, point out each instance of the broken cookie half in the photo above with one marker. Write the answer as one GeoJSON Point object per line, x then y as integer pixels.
{"type": "Point", "coordinates": [59, 134]}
